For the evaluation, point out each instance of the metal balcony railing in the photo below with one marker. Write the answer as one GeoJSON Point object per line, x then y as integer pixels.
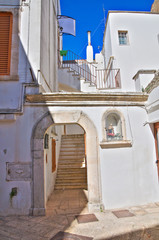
{"type": "Point", "coordinates": [101, 78]}
{"type": "Point", "coordinates": [108, 78]}
{"type": "Point", "coordinates": [80, 67]}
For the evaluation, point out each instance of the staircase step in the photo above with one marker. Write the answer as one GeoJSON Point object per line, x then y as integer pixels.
{"type": "Point", "coordinates": [75, 176]}
{"type": "Point", "coordinates": [72, 166]}
{"type": "Point", "coordinates": [72, 149]}
{"type": "Point", "coordinates": [67, 157]}
{"type": "Point", "coordinates": [72, 153]}
{"type": "Point", "coordinates": [72, 172]}
{"type": "Point", "coordinates": [68, 180]}
{"type": "Point", "coordinates": [71, 141]}
{"type": "Point", "coordinates": [73, 136]}
{"type": "Point", "coordinates": [71, 161]}
{"type": "Point", "coordinates": [59, 187]}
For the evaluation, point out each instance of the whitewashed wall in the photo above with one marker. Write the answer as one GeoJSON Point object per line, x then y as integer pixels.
{"type": "Point", "coordinates": [50, 176]}
{"type": "Point", "coordinates": [153, 106]}
{"type": "Point", "coordinates": [49, 45]}
{"type": "Point", "coordinates": [74, 129]}
{"type": "Point", "coordinates": [143, 48]}
{"type": "Point", "coordinates": [128, 175]}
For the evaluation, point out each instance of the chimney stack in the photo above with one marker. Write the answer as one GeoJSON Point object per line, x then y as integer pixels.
{"type": "Point", "coordinates": [89, 52]}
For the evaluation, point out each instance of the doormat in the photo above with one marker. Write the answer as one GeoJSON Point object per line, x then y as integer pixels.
{"type": "Point", "coordinates": [123, 214]}
{"type": "Point", "coordinates": [86, 218]}
{"type": "Point", "coordinates": [69, 236]}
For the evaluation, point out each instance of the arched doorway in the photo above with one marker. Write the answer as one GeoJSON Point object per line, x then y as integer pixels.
{"type": "Point", "coordinates": [37, 147]}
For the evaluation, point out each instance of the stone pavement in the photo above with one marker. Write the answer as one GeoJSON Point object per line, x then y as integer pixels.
{"type": "Point", "coordinates": [61, 216]}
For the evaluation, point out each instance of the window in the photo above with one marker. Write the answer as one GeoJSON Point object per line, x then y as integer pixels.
{"type": "Point", "coordinates": [113, 127]}
{"type": "Point", "coordinates": [5, 42]}
{"type": "Point", "coordinates": [123, 37]}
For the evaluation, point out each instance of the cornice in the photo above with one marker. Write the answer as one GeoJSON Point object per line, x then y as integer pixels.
{"type": "Point", "coordinates": [89, 99]}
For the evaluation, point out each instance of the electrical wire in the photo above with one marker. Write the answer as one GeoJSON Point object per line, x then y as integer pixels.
{"type": "Point", "coordinates": [92, 35]}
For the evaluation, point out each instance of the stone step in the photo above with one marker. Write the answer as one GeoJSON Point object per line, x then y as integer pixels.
{"type": "Point", "coordinates": [71, 171]}
{"type": "Point", "coordinates": [72, 165]}
{"type": "Point", "coordinates": [67, 157]}
{"type": "Point", "coordinates": [72, 144]}
{"type": "Point", "coordinates": [73, 176]}
{"type": "Point", "coordinates": [71, 186]}
{"type": "Point", "coordinates": [72, 149]}
{"type": "Point", "coordinates": [71, 161]}
{"type": "Point", "coordinates": [59, 187]}
{"type": "Point", "coordinates": [67, 180]}
{"type": "Point", "coordinates": [72, 136]}
{"type": "Point", "coordinates": [72, 153]}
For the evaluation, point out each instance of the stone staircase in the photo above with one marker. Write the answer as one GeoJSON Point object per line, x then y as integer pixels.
{"type": "Point", "coordinates": [72, 170]}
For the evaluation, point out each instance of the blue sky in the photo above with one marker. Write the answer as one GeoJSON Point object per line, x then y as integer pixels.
{"type": "Point", "coordinates": [89, 15]}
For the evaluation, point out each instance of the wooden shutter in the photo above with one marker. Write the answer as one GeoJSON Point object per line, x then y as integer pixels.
{"type": "Point", "coordinates": [5, 42]}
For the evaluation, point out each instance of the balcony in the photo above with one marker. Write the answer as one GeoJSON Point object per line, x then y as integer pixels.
{"type": "Point", "coordinates": [100, 78]}
{"type": "Point", "coordinates": [108, 78]}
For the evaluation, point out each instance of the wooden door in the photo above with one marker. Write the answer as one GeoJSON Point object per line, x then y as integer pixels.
{"type": "Point", "coordinates": [157, 144]}
{"type": "Point", "coordinates": [53, 155]}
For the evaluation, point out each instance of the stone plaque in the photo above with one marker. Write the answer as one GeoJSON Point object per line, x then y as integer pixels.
{"type": "Point", "coordinates": [18, 171]}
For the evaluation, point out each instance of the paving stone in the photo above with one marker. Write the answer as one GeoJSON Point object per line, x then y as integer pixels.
{"type": "Point", "coordinates": [69, 236]}
{"type": "Point", "coordinates": [144, 226]}
{"type": "Point", "coordinates": [139, 212]}
{"type": "Point", "coordinates": [150, 205]}
{"type": "Point", "coordinates": [152, 210]}
{"type": "Point", "coordinates": [86, 218]}
{"type": "Point", "coordinates": [11, 233]}
{"type": "Point", "coordinates": [53, 232]}
{"type": "Point", "coordinates": [123, 213]}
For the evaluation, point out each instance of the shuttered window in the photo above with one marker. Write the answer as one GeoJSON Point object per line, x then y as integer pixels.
{"type": "Point", "coordinates": [5, 42]}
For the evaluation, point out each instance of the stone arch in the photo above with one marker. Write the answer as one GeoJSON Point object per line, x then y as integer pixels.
{"type": "Point", "coordinates": [115, 111]}
{"type": "Point", "coordinates": [93, 173]}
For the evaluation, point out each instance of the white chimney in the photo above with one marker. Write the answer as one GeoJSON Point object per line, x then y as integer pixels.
{"type": "Point", "coordinates": [89, 53]}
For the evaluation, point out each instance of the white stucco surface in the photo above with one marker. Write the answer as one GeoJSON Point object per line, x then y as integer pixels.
{"type": "Point", "coordinates": [50, 176]}
{"type": "Point", "coordinates": [153, 106]}
{"type": "Point", "coordinates": [142, 49]}
{"type": "Point", "coordinates": [117, 177]}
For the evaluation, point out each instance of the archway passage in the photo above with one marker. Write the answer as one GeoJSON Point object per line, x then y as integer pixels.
{"type": "Point", "coordinates": [65, 165]}
{"type": "Point", "coordinates": [37, 143]}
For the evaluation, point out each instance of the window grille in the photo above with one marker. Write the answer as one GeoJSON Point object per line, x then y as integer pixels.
{"type": "Point", "coordinates": [123, 37]}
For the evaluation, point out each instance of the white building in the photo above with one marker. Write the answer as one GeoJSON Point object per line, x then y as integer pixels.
{"type": "Point", "coordinates": [111, 114]}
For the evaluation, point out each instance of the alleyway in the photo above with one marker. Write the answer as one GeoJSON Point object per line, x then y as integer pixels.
{"type": "Point", "coordinates": [62, 208]}
{"type": "Point", "coordinates": [139, 223]}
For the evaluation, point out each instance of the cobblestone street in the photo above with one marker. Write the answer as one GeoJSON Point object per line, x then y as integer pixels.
{"type": "Point", "coordinates": [62, 209]}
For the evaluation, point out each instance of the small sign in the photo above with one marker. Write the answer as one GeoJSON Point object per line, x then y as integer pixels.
{"type": "Point", "coordinates": [67, 25]}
